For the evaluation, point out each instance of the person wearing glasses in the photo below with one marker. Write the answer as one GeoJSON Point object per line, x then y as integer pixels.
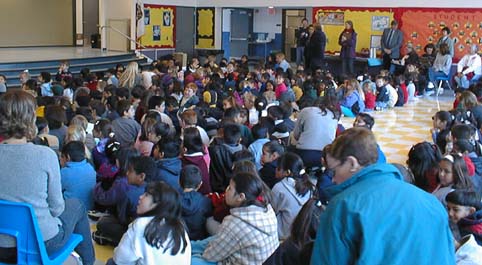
{"type": "Point", "coordinates": [373, 216]}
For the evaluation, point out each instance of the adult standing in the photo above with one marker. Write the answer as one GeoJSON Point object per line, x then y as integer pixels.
{"type": "Point", "coordinates": [391, 42]}
{"type": "Point", "coordinates": [301, 35]}
{"type": "Point", "coordinates": [347, 41]}
{"type": "Point", "coordinates": [469, 68]}
{"type": "Point", "coordinates": [131, 77]}
{"type": "Point", "coordinates": [447, 40]}
{"type": "Point", "coordinates": [307, 53]}
{"type": "Point", "coordinates": [31, 174]}
{"type": "Point", "coordinates": [317, 47]}
{"type": "Point", "coordinates": [369, 202]}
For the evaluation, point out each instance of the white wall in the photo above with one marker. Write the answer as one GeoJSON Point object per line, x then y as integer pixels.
{"type": "Point", "coordinates": [263, 22]}
{"type": "Point", "coordinates": [116, 9]}
{"type": "Point", "coordinates": [351, 3]}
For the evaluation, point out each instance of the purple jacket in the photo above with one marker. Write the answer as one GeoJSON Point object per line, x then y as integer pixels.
{"type": "Point", "coordinates": [347, 46]}
{"type": "Point", "coordinates": [112, 196]}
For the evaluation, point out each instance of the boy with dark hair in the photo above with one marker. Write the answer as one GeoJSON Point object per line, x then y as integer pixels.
{"type": "Point", "coordinates": [166, 153]}
{"type": "Point", "coordinates": [234, 115]}
{"type": "Point", "coordinates": [383, 95]}
{"type": "Point", "coordinates": [172, 106]}
{"type": "Point", "coordinates": [126, 129]}
{"type": "Point", "coordinates": [110, 229]}
{"type": "Point", "coordinates": [46, 86]}
{"type": "Point", "coordinates": [78, 177]}
{"type": "Point", "coordinates": [221, 154]}
{"type": "Point", "coordinates": [260, 133]}
{"type": "Point", "coordinates": [465, 209]}
{"type": "Point", "coordinates": [195, 207]}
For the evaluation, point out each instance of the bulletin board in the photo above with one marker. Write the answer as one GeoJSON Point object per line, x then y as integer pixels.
{"type": "Point", "coordinates": [159, 24]}
{"type": "Point", "coordinates": [367, 22]}
{"type": "Point", "coordinates": [421, 26]}
{"type": "Point", "coordinates": [205, 27]}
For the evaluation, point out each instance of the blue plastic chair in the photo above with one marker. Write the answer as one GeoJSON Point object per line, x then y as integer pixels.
{"type": "Point", "coordinates": [441, 79]}
{"type": "Point", "coordinates": [18, 220]}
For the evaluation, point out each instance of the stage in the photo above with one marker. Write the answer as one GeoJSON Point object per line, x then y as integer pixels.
{"type": "Point", "coordinates": [37, 54]}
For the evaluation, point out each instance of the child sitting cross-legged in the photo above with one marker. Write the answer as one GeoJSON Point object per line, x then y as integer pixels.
{"type": "Point", "coordinates": [110, 229]}
{"type": "Point", "coordinates": [77, 175]}
{"type": "Point", "coordinates": [158, 235]}
{"type": "Point", "coordinates": [249, 234]}
{"type": "Point", "coordinates": [195, 207]}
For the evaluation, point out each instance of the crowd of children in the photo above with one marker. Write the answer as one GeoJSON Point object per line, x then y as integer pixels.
{"type": "Point", "coordinates": [172, 157]}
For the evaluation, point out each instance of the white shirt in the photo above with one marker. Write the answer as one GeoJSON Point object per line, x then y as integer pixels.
{"type": "Point", "coordinates": [133, 248]}
{"type": "Point", "coordinates": [472, 62]}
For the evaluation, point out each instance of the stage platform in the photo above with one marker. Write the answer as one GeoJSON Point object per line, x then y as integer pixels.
{"type": "Point", "coordinates": [13, 61]}
{"type": "Point", "coordinates": [36, 54]}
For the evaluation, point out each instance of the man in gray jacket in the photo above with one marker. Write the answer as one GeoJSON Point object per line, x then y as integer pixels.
{"type": "Point", "coordinates": [391, 42]}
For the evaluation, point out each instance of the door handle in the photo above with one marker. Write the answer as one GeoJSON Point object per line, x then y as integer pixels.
{"type": "Point", "coordinates": [238, 39]}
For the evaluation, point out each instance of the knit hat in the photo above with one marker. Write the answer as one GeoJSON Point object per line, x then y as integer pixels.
{"type": "Point", "coordinates": [58, 90]}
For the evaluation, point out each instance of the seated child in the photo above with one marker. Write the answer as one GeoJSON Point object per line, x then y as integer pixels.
{"type": "Point", "coordinates": [193, 155]}
{"type": "Point", "coordinates": [271, 151]}
{"type": "Point", "coordinates": [260, 134]}
{"type": "Point", "coordinates": [465, 210]}
{"type": "Point", "coordinates": [104, 133]}
{"type": "Point", "coordinates": [158, 235]}
{"type": "Point", "coordinates": [220, 168]}
{"type": "Point", "coordinates": [291, 192]}
{"type": "Point", "coordinates": [43, 132]}
{"type": "Point", "coordinates": [302, 233]}
{"type": "Point", "coordinates": [108, 192]}
{"type": "Point", "coordinates": [141, 170]}
{"type": "Point", "coordinates": [383, 95]}
{"type": "Point", "coordinates": [195, 207]}
{"type": "Point", "coordinates": [247, 236]}
{"type": "Point", "coordinates": [77, 175]}
{"type": "Point", "coordinates": [126, 129]}
{"type": "Point", "coordinates": [166, 153]}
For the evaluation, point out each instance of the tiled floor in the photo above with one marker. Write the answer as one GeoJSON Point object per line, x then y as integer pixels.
{"type": "Point", "coordinates": [399, 128]}
{"type": "Point", "coordinates": [396, 131]}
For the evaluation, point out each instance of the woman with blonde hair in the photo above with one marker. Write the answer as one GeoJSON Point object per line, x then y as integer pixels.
{"type": "Point", "coordinates": [77, 133]}
{"type": "Point", "coordinates": [131, 76]}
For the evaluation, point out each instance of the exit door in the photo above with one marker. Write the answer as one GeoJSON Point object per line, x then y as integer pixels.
{"type": "Point", "coordinates": [241, 28]}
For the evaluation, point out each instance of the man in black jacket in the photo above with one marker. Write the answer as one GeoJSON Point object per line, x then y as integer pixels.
{"type": "Point", "coordinates": [317, 44]}
{"type": "Point", "coordinates": [301, 35]}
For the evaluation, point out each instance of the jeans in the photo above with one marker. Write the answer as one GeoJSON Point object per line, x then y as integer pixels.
{"type": "Point", "coordinates": [300, 51]}
{"type": "Point", "coordinates": [463, 82]}
{"type": "Point", "coordinates": [74, 220]}
{"type": "Point", "coordinates": [432, 75]}
{"type": "Point", "coordinates": [197, 250]}
{"type": "Point", "coordinates": [347, 63]}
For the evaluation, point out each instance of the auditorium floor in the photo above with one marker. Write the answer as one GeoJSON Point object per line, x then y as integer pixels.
{"type": "Point", "coordinates": [396, 131]}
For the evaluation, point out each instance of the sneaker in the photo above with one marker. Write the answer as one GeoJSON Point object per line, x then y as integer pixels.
{"type": "Point", "coordinates": [440, 91]}
{"type": "Point", "coordinates": [96, 215]}
{"type": "Point", "coordinates": [429, 93]}
{"type": "Point", "coordinates": [101, 239]}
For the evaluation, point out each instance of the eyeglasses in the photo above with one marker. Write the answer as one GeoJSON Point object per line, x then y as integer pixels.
{"type": "Point", "coordinates": [331, 171]}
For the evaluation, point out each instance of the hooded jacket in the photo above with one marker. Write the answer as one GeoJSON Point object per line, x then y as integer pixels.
{"type": "Point", "coordinates": [376, 218]}
{"type": "Point", "coordinates": [197, 159]}
{"type": "Point", "coordinates": [195, 209]}
{"type": "Point", "coordinates": [472, 224]}
{"type": "Point", "coordinates": [220, 169]}
{"type": "Point", "coordinates": [287, 204]}
{"type": "Point", "coordinates": [247, 236]}
{"type": "Point", "coordinates": [169, 170]}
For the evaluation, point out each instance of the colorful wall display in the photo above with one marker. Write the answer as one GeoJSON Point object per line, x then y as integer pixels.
{"type": "Point", "coordinates": [423, 26]}
{"type": "Point", "coordinates": [420, 26]}
{"type": "Point", "coordinates": [367, 22]}
{"type": "Point", "coordinates": [159, 22]}
{"type": "Point", "coordinates": [205, 28]}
